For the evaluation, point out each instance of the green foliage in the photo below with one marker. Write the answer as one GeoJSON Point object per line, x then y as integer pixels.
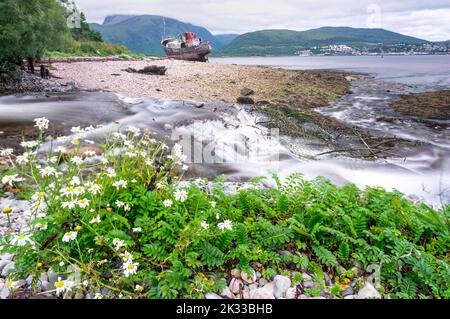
{"type": "Point", "coordinates": [28, 27]}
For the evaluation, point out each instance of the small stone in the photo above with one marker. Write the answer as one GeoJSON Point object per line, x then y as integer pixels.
{"type": "Point", "coordinates": [306, 277]}
{"type": "Point", "coordinates": [9, 267]}
{"type": "Point", "coordinates": [236, 285]}
{"type": "Point", "coordinates": [6, 256]}
{"type": "Point", "coordinates": [212, 296]}
{"type": "Point", "coordinates": [4, 292]}
{"type": "Point", "coordinates": [303, 297]}
{"type": "Point", "coordinates": [248, 279]}
{"type": "Point", "coordinates": [261, 293]}
{"type": "Point", "coordinates": [308, 284]}
{"type": "Point", "coordinates": [247, 92]}
{"type": "Point", "coordinates": [236, 273]}
{"type": "Point", "coordinates": [258, 275]}
{"type": "Point", "coordinates": [347, 292]}
{"type": "Point", "coordinates": [291, 293]}
{"type": "Point", "coordinates": [328, 280]}
{"type": "Point", "coordinates": [253, 286]}
{"type": "Point", "coordinates": [368, 292]}
{"type": "Point", "coordinates": [79, 295]}
{"type": "Point", "coordinates": [282, 284]}
{"type": "Point", "coordinates": [3, 264]}
{"type": "Point", "coordinates": [263, 282]}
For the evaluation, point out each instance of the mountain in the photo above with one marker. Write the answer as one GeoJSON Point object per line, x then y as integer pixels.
{"type": "Point", "coordinates": [287, 42]}
{"type": "Point", "coordinates": [226, 39]}
{"type": "Point", "coordinates": [143, 33]}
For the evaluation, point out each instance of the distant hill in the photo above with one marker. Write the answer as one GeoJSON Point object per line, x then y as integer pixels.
{"type": "Point", "coordinates": [143, 33]}
{"type": "Point", "coordinates": [287, 42]}
{"type": "Point", "coordinates": [226, 39]}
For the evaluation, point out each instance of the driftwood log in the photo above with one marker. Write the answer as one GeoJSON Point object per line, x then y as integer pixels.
{"type": "Point", "coordinates": [150, 70]}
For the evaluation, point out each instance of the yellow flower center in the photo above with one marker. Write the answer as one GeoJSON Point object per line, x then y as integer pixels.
{"type": "Point", "coordinates": [10, 284]}
{"type": "Point", "coordinates": [130, 267]}
{"type": "Point", "coordinates": [7, 210]}
{"type": "Point", "coordinates": [41, 194]}
{"type": "Point", "coordinates": [69, 234]}
{"type": "Point", "coordinates": [59, 284]}
{"type": "Point", "coordinates": [39, 265]}
{"type": "Point", "coordinates": [21, 237]}
{"type": "Point", "coordinates": [78, 228]}
{"type": "Point", "coordinates": [76, 142]}
{"type": "Point", "coordinates": [70, 190]}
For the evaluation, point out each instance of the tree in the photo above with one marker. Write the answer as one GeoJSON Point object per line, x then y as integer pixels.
{"type": "Point", "coordinates": [28, 27]}
{"type": "Point", "coordinates": [85, 33]}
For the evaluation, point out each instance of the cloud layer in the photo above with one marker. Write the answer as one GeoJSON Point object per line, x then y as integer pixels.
{"type": "Point", "coordinates": [423, 19]}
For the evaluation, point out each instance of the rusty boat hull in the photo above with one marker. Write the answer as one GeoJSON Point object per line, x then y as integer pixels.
{"type": "Point", "coordinates": [195, 53]}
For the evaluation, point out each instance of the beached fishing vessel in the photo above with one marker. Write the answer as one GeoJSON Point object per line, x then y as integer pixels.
{"type": "Point", "coordinates": [187, 47]}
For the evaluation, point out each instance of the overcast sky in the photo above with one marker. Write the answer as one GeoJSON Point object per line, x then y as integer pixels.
{"type": "Point", "coordinates": [427, 19]}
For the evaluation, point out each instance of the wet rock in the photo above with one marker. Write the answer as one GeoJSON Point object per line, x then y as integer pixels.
{"type": "Point", "coordinates": [368, 292]}
{"type": "Point", "coordinates": [245, 100]}
{"type": "Point", "coordinates": [212, 296]}
{"type": "Point", "coordinates": [149, 70]}
{"type": "Point", "coordinates": [236, 285]}
{"type": "Point", "coordinates": [249, 279]}
{"type": "Point", "coordinates": [347, 292]}
{"type": "Point", "coordinates": [261, 293]}
{"type": "Point", "coordinates": [282, 284]}
{"type": "Point", "coordinates": [247, 92]}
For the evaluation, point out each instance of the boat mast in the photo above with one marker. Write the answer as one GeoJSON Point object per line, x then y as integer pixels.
{"type": "Point", "coordinates": [164, 28]}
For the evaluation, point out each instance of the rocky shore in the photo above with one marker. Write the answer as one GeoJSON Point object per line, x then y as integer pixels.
{"type": "Point", "coordinates": [429, 105]}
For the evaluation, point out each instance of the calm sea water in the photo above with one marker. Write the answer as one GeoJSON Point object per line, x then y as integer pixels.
{"type": "Point", "coordinates": [417, 70]}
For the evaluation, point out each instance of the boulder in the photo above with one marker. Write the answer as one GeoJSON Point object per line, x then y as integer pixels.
{"type": "Point", "coordinates": [261, 293]}
{"type": "Point", "coordinates": [282, 284]}
{"type": "Point", "coordinates": [291, 293]}
{"type": "Point", "coordinates": [236, 285]}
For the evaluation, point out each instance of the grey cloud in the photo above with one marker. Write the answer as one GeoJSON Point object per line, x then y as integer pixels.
{"type": "Point", "coordinates": [425, 19]}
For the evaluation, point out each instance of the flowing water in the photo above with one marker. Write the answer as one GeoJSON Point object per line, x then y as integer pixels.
{"type": "Point", "coordinates": [227, 139]}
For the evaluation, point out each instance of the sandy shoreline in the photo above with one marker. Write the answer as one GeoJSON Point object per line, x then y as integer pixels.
{"type": "Point", "coordinates": [209, 82]}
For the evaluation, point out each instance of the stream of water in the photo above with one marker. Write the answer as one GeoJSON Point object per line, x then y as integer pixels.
{"type": "Point", "coordinates": [226, 139]}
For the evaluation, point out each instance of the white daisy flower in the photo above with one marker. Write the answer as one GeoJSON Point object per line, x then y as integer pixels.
{"type": "Point", "coordinates": [41, 123]}
{"type": "Point", "coordinates": [204, 225]}
{"type": "Point", "coordinates": [137, 230]}
{"type": "Point", "coordinates": [130, 269]}
{"type": "Point", "coordinates": [76, 129]}
{"type": "Point", "coordinates": [168, 203]}
{"type": "Point", "coordinates": [110, 172]}
{"type": "Point", "coordinates": [181, 195]}
{"type": "Point", "coordinates": [77, 160]}
{"type": "Point", "coordinates": [120, 204]}
{"type": "Point", "coordinates": [47, 171]}
{"type": "Point", "coordinates": [67, 191]}
{"type": "Point", "coordinates": [118, 244]}
{"type": "Point", "coordinates": [95, 189]}
{"type": "Point", "coordinates": [70, 236]}
{"type": "Point", "coordinates": [83, 203]}
{"type": "Point", "coordinates": [213, 204]}
{"type": "Point", "coordinates": [96, 220]}
{"type": "Point", "coordinates": [61, 149]}
{"type": "Point", "coordinates": [10, 179]}
{"type": "Point", "coordinates": [23, 159]}
{"type": "Point", "coordinates": [29, 144]}
{"type": "Point", "coordinates": [79, 190]}
{"type": "Point", "coordinates": [75, 181]}
{"type": "Point", "coordinates": [63, 286]}
{"type": "Point", "coordinates": [21, 240]}
{"type": "Point", "coordinates": [126, 257]}
{"type": "Point", "coordinates": [6, 152]}
{"type": "Point", "coordinates": [120, 184]}
{"type": "Point", "coordinates": [138, 288]}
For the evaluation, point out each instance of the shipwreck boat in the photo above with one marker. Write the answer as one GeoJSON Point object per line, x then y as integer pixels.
{"type": "Point", "coordinates": [187, 47]}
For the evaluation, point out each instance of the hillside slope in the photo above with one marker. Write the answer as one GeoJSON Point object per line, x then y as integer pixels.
{"type": "Point", "coordinates": [143, 34]}
{"type": "Point", "coordinates": [279, 42]}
